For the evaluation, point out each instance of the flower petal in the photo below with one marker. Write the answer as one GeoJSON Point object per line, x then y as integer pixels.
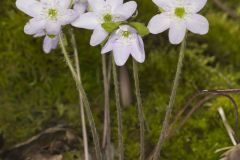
{"type": "Point", "coordinates": [98, 36]}
{"type": "Point", "coordinates": [177, 31]}
{"type": "Point", "coordinates": [34, 26]}
{"type": "Point", "coordinates": [166, 5]}
{"type": "Point", "coordinates": [125, 10]}
{"type": "Point", "coordinates": [109, 45]}
{"type": "Point", "coordinates": [121, 53]}
{"type": "Point", "coordinates": [69, 16]}
{"type": "Point", "coordinates": [197, 24]}
{"type": "Point", "coordinates": [96, 5]}
{"type": "Point", "coordinates": [196, 5]}
{"type": "Point", "coordinates": [159, 23]}
{"type": "Point", "coordinates": [114, 3]}
{"type": "Point", "coordinates": [137, 49]}
{"type": "Point", "coordinates": [40, 34]}
{"type": "Point", "coordinates": [53, 27]}
{"type": "Point", "coordinates": [49, 44]}
{"type": "Point", "coordinates": [80, 7]}
{"type": "Point", "coordinates": [87, 20]}
{"type": "Point", "coordinates": [64, 3]}
{"type": "Point", "coordinates": [30, 7]}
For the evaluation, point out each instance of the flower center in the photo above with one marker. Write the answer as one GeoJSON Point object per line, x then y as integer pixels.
{"type": "Point", "coordinates": [107, 18]}
{"type": "Point", "coordinates": [180, 12]}
{"type": "Point", "coordinates": [51, 36]}
{"type": "Point", "coordinates": [52, 13]}
{"type": "Point", "coordinates": [126, 34]}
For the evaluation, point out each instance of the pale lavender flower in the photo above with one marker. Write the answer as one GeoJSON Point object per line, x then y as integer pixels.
{"type": "Point", "coordinates": [47, 15]}
{"type": "Point", "coordinates": [125, 42]}
{"type": "Point", "coordinates": [179, 16]}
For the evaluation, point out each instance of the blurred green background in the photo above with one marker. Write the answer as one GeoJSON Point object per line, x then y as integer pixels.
{"type": "Point", "coordinates": [37, 90]}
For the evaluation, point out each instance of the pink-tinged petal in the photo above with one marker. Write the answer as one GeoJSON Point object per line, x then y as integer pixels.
{"type": "Point", "coordinates": [49, 44]}
{"type": "Point", "coordinates": [32, 8]}
{"type": "Point", "coordinates": [159, 23]}
{"type": "Point", "coordinates": [68, 17]}
{"type": "Point", "coordinates": [197, 24]}
{"type": "Point", "coordinates": [114, 3]}
{"type": "Point", "coordinates": [109, 45]}
{"type": "Point", "coordinates": [98, 36]}
{"type": "Point", "coordinates": [126, 10]}
{"type": "Point", "coordinates": [53, 27]}
{"type": "Point", "coordinates": [196, 5]}
{"type": "Point", "coordinates": [177, 31]}
{"type": "Point", "coordinates": [96, 5]}
{"type": "Point", "coordinates": [121, 53]}
{"type": "Point", "coordinates": [166, 5]}
{"type": "Point", "coordinates": [137, 49]}
{"type": "Point", "coordinates": [34, 26]}
{"type": "Point", "coordinates": [87, 20]}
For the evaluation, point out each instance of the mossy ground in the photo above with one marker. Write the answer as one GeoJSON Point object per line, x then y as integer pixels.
{"type": "Point", "coordinates": [37, 91]}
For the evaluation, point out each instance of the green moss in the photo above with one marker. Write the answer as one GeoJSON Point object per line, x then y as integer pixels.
{"type": "Point", "coordinates": [37, 91]}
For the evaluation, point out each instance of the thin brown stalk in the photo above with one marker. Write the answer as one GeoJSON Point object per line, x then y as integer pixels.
{"type": "Point", "coordinates": [140, 109]}
{"type": "Point", "coordinates": [82, 113]}
{"type": "Point", "coordinates": [84, 98]}
{"type": "Point", "coordinates": [165, 126]}
{"type": "Point", "coordinates": [119, 111]}
{"type": "Point", "coordinates": [106, 129]}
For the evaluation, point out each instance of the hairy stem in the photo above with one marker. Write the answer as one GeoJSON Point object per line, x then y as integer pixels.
{"type": "Point", "coordinates": [119, 112]}
{"type": "Point", "coordinates": [140, 109]}
{"type": "Point", "coordinates": [84, 98]}
{"type": "Point", "coordinates": [171, 103]}
{"type": "Point", "coordinates": [106, 130]}
{"type": "Point", "coordinates": [77, 67]}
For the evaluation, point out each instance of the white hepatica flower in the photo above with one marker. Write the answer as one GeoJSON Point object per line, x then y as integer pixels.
{"type": "Point", "coordinates": [49, 43]}
{"type": "Point", "coordinates": [48, 15]}
{"type": "Point", "coordinates": [103, 11]}
{"type": "Point", "coordinates": [125, 42]}
{"type": "Point", "coordinates": [179, 16]}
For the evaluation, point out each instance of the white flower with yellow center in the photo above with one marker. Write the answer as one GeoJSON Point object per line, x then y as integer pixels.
{"type": "Point", "coordinates": [48, 16]}
{"type": "Point", "coordinates": [125, 42]}
{"type": "Point", "coordinates": [103, 11]}
{"type": "Point", "coordinates": [179, 16]}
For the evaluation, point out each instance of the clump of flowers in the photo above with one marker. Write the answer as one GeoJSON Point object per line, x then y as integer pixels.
{"type": "Point", "coordinates": [101, 12]}
{"type": "Point", "coordinates": [112, 27]}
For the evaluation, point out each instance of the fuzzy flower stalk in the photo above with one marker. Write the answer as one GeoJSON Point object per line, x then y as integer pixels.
{"type": "Point", "coordinates": [123, 42]}
{"type": "Point", "coordinates": [178, 16]}
{"type": "Point", "coordinates": [48, 17]}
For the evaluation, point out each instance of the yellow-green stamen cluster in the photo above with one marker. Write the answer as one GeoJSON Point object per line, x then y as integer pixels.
{"type": "Point", "coordinates": [126, 34]}
{"type": "Point", "coordinates": [52, 13]}
{"type": "Point", "coordinates": [107, 18]}
{"type": "Point", "coordinates": [180, 12]}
